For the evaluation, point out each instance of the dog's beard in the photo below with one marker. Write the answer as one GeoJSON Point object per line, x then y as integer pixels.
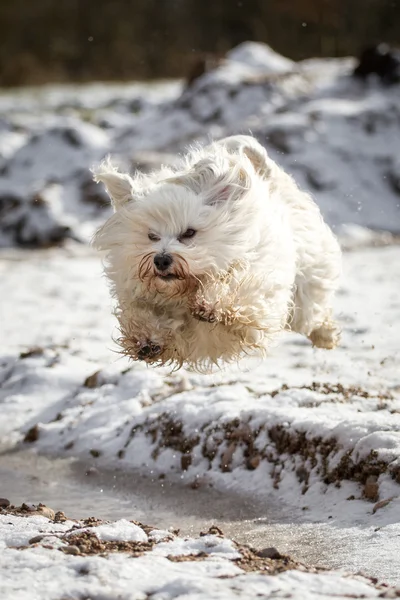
{"type": "Point", "coordinates": [178, 280]}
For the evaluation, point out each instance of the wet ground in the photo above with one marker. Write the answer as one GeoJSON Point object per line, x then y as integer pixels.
{"type": "Point", "coordinates": [82, 491]}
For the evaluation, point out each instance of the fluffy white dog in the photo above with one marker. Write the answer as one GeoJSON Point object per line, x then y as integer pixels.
{"type": "Point", "coordinates": [215, 257]}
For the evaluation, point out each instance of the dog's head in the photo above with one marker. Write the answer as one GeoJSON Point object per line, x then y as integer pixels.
{"type": "Point", "coordinates": [168, 231]}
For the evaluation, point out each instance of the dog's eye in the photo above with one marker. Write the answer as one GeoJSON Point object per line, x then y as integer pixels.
{"type": "Point", "coordinates": [153, 237]}
{"type": "Point", "coordinates": [189, 233]}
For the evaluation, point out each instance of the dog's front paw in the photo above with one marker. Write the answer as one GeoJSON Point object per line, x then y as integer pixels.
{"type": "Point", "coordinates": [205, 312]}
{"type": "Point", "coordinates": [148, 350]}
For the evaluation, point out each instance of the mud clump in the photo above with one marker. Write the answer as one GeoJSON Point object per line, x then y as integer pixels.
{"type": "Point", "coordinates": [29, 510]}
{"type": "Point", "coordinates": [32, 435]}
{"type": "Point", "coordinates": [87, 543]}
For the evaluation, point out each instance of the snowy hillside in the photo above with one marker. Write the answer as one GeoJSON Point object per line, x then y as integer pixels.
{"type": "Point", "coordinates": [337, 136]}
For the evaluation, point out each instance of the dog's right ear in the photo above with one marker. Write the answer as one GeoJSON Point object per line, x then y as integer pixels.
{"type": "Point", "coordinates": [118, 185]}
{"type": "Point", "coordinates": [255, 152]}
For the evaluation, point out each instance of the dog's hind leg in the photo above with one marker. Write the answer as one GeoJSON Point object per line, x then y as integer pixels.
{"type": "Point", "coordinates": [326, 335]}
{"type": "Point", "coordinates": [311, 315]}
{"type": "Point", "coordinates": [318, 274]}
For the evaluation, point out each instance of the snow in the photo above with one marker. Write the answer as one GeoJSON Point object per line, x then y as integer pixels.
{"type": "Point", "coordinates": [42, 570]}
{"type": "Point", "coordinates": [120, 530]}
{"type": "Point", "coordinates": [260, 57]}
{"type": "Point", "coordinates": [208, 544]}
{"type": "Point", "coordinates": [60, 334]}
{"type": "Point", "coordinates": [124, 413]}
{"type": "Point", "coordinates": [316, 433]}
{"type": "Point", "coordinates": [16, 531]}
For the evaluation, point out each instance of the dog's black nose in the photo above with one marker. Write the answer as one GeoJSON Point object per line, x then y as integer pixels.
{"type": "Point", "coordinates": [163, 261]}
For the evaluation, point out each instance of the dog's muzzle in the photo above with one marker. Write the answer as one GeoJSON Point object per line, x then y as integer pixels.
{"type": "Point", "coordinates": [162, 263]}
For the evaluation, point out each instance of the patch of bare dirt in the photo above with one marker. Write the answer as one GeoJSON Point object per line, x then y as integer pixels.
{"type": "Point", "coordinates": [340, 392]}
{"type": "Point", "coordinates": [280, 445]}
{"type": "Point", "coordinates": [87, 543]}
{"type": "Point", "coordinates": [29, 510]}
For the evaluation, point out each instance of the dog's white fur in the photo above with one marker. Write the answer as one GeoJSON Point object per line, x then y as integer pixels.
{"type": "Point", "coordinates": [262, 259]}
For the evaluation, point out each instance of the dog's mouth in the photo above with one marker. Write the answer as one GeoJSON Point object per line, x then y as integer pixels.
{"type": "Point", "coordinates": [167, 276]}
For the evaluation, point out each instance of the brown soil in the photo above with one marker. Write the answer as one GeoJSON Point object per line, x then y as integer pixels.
{"type": "Point", "coordinates": [86, 543]}
{"type": "Point", "coordinates": [279, 445]}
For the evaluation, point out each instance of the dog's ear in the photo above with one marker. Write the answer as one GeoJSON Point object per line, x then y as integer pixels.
{"type": "Point", "coordinates": [230, 186]}
{"type": "Point", "coordinates": [215, 184]}
{"type": "Point", "coordinates": [249, 146]}
{"type": "Point", "coordinates": [118, 185]}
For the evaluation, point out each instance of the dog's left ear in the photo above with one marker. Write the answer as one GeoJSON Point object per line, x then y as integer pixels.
{"type": "Point", "coordinates": [118, 185]}
{"type": "Point", "coordinates": [230, 186]}
{"type": "Point", "coordinates": [250, 147]}
{"type": "Point", "coordinates": [214, 184]}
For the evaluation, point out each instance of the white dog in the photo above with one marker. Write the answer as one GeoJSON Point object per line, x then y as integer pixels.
{"type": "Point", "coordinates": [215, 257]}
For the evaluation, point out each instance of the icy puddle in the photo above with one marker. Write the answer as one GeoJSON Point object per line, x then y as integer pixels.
{"type": "Point", "coordinates": [67, 485]}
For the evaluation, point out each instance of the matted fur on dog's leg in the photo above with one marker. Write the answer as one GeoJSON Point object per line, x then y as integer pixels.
{"type": "Point", "coordinates": [316, 283]}
{"type": "Point", "coordinates": [326, 336]}
{"type": "Point", "coordinates": [235, 301]}
{"type": "Point", "coordinates": [142, 335]}
{"type": "Point", "coordinates": [312, 313]}
{"type": "Point", "coordinates": [315, 322]}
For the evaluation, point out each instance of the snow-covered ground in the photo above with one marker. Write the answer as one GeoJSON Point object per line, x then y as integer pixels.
{"type": "Point", "coordinates": [59, 558]}
{"type": "Point", "coordinates": [315, 432]}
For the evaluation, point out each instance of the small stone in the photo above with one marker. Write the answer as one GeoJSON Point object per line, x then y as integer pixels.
{"type": "Point", "coordinates": [34, 351]}
{"type": "Point", "coordinates": [269, 553]}
{"type": "Point", "coordinates": [302, 474]}
{"type": "Point", "coordinates": [186, 461]}
{"type": "Point", "coordinates": [60, 517]}
{"type": "Point", "coordinates": [253, 462]}
{"type": "Point", "coordinates": [45, 511]}
{"type": "Point", "coordinates": [4, 502]}
{"type": "Point", "coordinates": [93, 381]}
{"type": "Point", "coordinates": [28, 507]}
{"type": "Point", "coordinates": [226, 459]}
{"type": "Point", "coordinates": [382, 504]}
{"type": "Point", "coordinates": [32, 435]}
{"type": "Point", "coordinates": [392, 593]}
{"type": "Point", "coordinates": [371, 488]}
{"type": "Point", "coordinates": [243, 432]}
{"type": "Point", "coordinates": [214, 530]}
{"type": "Point", "coordinates": [71, 550]}
{"type": "Point", "coordinates": [36, 539]}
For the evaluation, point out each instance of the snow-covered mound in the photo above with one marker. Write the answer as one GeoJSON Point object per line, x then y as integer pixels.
{"type": "Point", "coordinates": [45, 191]}
{"type": "Point", "coordinates": [315, 428]}
{"type": "Point", "coordinates": [338, 136]}
{"type": "Point", "coordinates": [43, 555]}
{"type": "Point", "coordinates": [260, 57]}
